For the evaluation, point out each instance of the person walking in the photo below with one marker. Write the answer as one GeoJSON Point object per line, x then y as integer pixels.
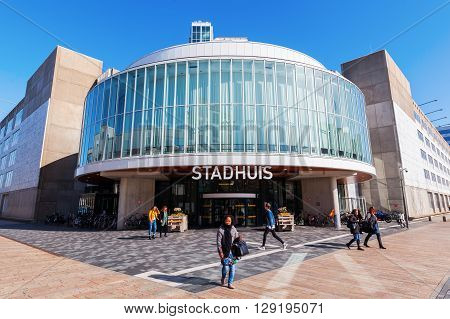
{"type": "Point", "coordinates": [353, 224]}
{"type": "Point", "coordinates": [270, 227]}
{"type": "Point", "coordinates": [153, 216]}
{"type": "Point", "coordinates": [226, 236]}
{"type": "Point", "coordinates": [163, 221]}
{"type": "Point", "coordinates": [373, 228]}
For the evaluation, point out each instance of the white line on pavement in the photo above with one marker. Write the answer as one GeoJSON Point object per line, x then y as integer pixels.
{"type": "Point", "coordinates": [148, 275]}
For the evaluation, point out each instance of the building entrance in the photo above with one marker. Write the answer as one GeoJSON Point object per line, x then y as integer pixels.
{"type": "Point", "coordinates": [241, 206]}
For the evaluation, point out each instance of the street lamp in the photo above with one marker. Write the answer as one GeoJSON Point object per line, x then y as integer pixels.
{"type": "Point", "coordinates": [434, 111]}
{"type": "Point", "coordinates": [402, 183]}
{"type": "Point", "coordinates": [428, 102]}
{"type": "Point", "coordinates": [441, 118]}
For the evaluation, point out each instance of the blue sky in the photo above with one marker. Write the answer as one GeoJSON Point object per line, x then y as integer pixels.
{"type": "Point", "coordinates": [119, 32]}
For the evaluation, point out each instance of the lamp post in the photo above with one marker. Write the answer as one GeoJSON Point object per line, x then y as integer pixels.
{"type": "Point", "coordinates": [402, 183]}
{"type": "Point", "coordinates": [428, 102]}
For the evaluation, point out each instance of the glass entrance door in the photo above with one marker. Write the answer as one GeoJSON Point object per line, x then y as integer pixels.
{"type": "Point", "coordinates": [243, 211]}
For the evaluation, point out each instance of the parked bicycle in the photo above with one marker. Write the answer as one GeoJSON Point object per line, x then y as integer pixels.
{"type": "Point", "coordinates": [55, 219]}
{"type": "Point", "coordinates": [136, 221]}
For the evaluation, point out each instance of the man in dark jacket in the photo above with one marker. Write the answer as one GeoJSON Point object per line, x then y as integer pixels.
{"type": "Point", "coordinates": [353, 224]}
{"type": "Point", "coordinates": [373, 229]}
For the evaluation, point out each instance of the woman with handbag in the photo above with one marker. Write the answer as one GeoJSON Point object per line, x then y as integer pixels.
{"type": "Point", "coordinates": [226, 236]}
{"type": "Point", "coordinates": [163, 221]}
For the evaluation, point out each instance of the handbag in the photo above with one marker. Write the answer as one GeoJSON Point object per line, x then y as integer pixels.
{"type": "Point", "coordinates": [240, 248]}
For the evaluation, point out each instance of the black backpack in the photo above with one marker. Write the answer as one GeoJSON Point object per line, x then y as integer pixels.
{"type": "Point", "coordinates": [239, 249]}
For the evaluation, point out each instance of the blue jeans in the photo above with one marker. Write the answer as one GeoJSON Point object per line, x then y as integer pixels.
{"type": "Point", "coordinates": [357, 236]}
{"type": "Point", "coordinates": [152, 228]}
{"type": "Point", "coordinates": [227, 268]}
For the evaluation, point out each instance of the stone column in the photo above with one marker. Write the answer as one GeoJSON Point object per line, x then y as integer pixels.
{"type": "Point", "coordinates": [335, 202]}
{"type": "Point", "coordinates": [136, 196]}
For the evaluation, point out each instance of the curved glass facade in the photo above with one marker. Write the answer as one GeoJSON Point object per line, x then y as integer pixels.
{"type": "Point", "coordinates": [224, 105]}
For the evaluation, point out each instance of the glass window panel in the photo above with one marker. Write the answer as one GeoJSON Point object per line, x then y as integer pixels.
{"type": "Point", "coordinates": [335, 96]}
{"type": "Point", "coordinates": [192, 82]}
{"type": "Point", "coordinates": [202, 128]}
{"type": "Point", "coordinates": [301, 87]}
{"type": "Point", "coordinates": [157, 131]}
{"type": "Point", "coordinates": [203, 82]}
{"type": "Point", "coordinates": [261, 128]}
{"type": "Point", "coordinates": [147, 132]}
{"type": "Point", "coordinates": [99, 106]}
{"type": "Point", "coordinates": [290, 84]}
{"type": "Point", "coordinates": [179, 128]}
{"type": "Point", "coordinates": [293, 130]}
{"type": "Point", "coordinates": [214, 128]}
{"type": "Point", "coordinates": [248, 82]}
{"type": "Point", "coordinates": [97, 141]}
{"type": "Point", "coordinates": [237, 81]}
{"type": "Point", "coordinates": [191, 127]}
{"type": "Point", "coordinates": [113, 98]}
{"type": "Point", "coordinates": [140, 82]}
{"type": "Point", "coordinates": [281, 84]}
{"type": "Point", "coordinates": [283, 128]}
{"type": "Point", "coordinates": [304, 131]}
{"type": "Point", "coordinates": [121, 94]}
{"type": "Point", "coordinates": [159, 88]}
{"type": "Point", "coordinates": [149, 88]}
{"type": "Point", "coordinates": [130, 91]}
{"type": "Point", "coordinates": [310, 94]}
{"type": "Point", "coordinates": [225, 82]}
{"type": "Point", "coordinates": [137, 133]}
{"type": "Point", "coordinates": [259, 82]}
{"type": "Point", "coordinates": [323, 129]}
{"type": "Point", "coordinates": [110, 138]}
{"type": "Point", "coordinates": [238, 127]}
{"type": "Point", "coordinates": [126, 148]}
{"type": "Point", "coordinates": [327, 92]}
{"type": "Point", "coordinates": [168, 127]}
{"type": "Point", "coordinates": [170, 84]}
{"type": "Point", "coordinates": [215, 81]}
{"type": "Point", "coordinates": [319, 90]}
{"type": "Point", "coordinates": [250, 128]}
{"type": "Point", "coordinates": [226, 127]}
{"type": "Point", "coordinates": [332, 134]}
{"type": "Point", "coordinates": [314, 132]}
{"type": "Point", "coordinates": [103, 131]}
{"type": "Point", "coordinates": [270, 87]}
{"type": "Point", "coordinates": [272, 128]}
{"type": "Point", "coordinates": [181, 83]}
{"type": "Point", "coordinates": [106, 99]}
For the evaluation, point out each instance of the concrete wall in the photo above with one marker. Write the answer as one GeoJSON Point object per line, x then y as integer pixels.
{"type": "Point", "coordinates": [393, 135]}
{"type": "Point", "coordinates": [137, 196]}
{"type": "Point", "coordinates": [49, 136]}
{"type": "Point", "coordinates": [372, 76]}
{"type": "Point", "coordinates": [319, 195]}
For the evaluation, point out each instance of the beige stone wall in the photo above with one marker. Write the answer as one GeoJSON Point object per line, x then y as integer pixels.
{"type": "Point", "coordinates": [74, 75]}
{"type": "Point", "coordinates": [136, 197]}
{"type": "Point", "coordinates": [372, 75]}
{"type": "Point", "coordinates": [317, 195]}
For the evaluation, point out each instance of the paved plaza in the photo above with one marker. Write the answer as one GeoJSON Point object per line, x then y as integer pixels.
{"type": "Point", "coordinates": [186, 263]}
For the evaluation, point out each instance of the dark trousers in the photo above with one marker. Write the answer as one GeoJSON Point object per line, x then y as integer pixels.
{"type": "Point", "coordinates": [274, 234]}
{"type": "Point", "coordinates": [162, 228]}
{"type": "Point", "coordinates": [378, 238]}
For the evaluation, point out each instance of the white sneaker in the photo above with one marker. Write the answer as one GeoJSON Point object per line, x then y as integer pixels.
{"type": "Point", "coordinates": [284, 246]}
{"type": "Point", "coordinates": [262, 248]}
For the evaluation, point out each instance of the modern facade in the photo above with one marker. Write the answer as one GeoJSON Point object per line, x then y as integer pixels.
{"type": "Point", "coordinates": [444, 130]}
{"type": "Point", "coordinates": [410, 156]}
{"type": "Point", "coordinates": [218, 127]}
{"type": "Point", "coordinates": [39, 139]}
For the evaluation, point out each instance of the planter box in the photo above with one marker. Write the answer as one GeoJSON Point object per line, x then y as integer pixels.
{"type": "Point", "coordinates": [285, 223]}
{"type": "Point", "coordinates": [178, 223]}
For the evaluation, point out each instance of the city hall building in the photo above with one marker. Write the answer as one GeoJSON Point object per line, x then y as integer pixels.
{"type": "Point", "coordinates": [219, 126]}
